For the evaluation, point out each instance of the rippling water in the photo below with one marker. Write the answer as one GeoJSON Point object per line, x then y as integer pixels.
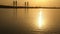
{"type": "Point", "coordinates": [28, 20]}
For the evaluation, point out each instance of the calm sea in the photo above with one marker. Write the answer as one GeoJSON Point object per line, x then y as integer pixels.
{"type": "Point", "coordinates": [22, 21]}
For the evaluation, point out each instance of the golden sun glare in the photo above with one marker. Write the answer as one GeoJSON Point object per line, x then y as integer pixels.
{"type": "Point", "coordinates": [40, 19]}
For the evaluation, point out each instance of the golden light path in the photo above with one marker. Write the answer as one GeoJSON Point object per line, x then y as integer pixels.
{"type": "Point", "coordinates": [40, 19]}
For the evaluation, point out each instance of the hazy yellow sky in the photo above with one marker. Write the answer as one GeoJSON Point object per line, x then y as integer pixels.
{"type": "Point", "coordinates": [55, 3]}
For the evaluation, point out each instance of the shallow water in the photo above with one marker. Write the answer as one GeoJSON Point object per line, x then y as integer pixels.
{"type": "Point", "coordinates": [25, 21]}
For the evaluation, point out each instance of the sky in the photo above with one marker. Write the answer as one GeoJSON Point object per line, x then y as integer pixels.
{"type": "Point", "coordinates": [55, 3]}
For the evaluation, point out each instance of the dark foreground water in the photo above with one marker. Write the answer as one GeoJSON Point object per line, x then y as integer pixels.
{"type": "Point", "coordinates": [31, 33]}
{"type": "Point", "coordinates": [24, 22]}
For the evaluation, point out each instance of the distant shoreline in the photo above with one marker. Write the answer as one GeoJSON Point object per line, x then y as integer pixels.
{"type": "Point", "coordinates": [5, 6]}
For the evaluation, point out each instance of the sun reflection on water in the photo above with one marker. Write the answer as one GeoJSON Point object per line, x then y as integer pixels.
{"type": "Point", "coordinates": [40, 19]}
